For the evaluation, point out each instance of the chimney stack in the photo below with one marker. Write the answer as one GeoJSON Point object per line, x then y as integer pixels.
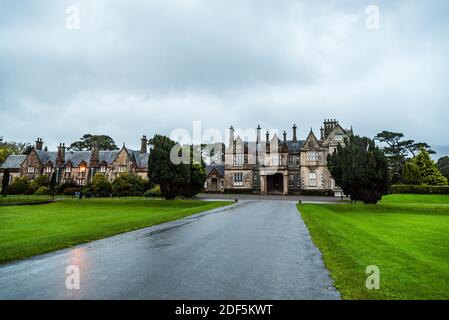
{"type": "Point", "coordinates": [258, 133]}
{"type": "Point", "coordinates": [285, 137]}
{"type": "Point", "coordinates": [143, 144]}
{"type": "Point", "coordinates": [294, 133]}
{"type": "Point", "coordinates": [39, 144]}
{"type": "Point", "coordinates": [60, 159]}
{"type": "Point", "coordinates": [231, 137]}
{"type": "Point", "coordinates": [95, 156]}
{"type": "Point", "coordinates": [322, 133]}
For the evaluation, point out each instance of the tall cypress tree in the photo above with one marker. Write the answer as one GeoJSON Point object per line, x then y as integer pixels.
{"type": "Point", "coordinates": [429, 170]}
{"type": "Point", "coordinates": [5, 182]}
{"type": "Point", "coordinates": [361, 169]}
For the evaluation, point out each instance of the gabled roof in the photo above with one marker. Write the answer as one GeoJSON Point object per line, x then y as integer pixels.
{"type": "Point", "coordinates": [141, 158]}
{"type": "Point", "coordinates": [218, 167]}
{"type": "Point", "coordinates": [13, 162]}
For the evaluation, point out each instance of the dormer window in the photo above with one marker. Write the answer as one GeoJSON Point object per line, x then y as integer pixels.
{"type": "Point", "coordinates": [30, 169]}
{"type": "Point", "coordinates": [103, 169]}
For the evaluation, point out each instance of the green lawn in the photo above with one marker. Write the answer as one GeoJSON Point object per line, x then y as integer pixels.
{"type": "Point", "coordinates": [31, 230]}
{"type": "Point", "coordinates": [406, 236]}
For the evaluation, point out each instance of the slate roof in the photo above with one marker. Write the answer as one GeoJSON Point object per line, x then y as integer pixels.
{"type": "Point", "coordinates": [219, 167]}
{"type": "Point", "coordinates": [293, 147]}
{"type": "Point", "coordinates": [13, 162]}
{"type": "Point", "coordinates": [141, 158]}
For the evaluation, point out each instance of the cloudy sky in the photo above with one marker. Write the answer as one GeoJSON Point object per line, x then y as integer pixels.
{"type": "Point", "coordinates": [151, 66]}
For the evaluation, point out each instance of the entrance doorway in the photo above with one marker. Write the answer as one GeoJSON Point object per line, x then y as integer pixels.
{"type": "Point", "coordinates": [275, 183]}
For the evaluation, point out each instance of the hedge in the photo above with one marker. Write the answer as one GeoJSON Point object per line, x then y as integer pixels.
{"type": "Point", "coordinates": [419, 189]}
{"type": "Point", "coordinates": [318, 192]}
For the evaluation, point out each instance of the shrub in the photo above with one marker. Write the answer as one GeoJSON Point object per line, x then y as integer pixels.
{"type": "Point", "coordinates": [323, 193]}
{"type": "Point", "coordinates": [411, 174]}
{"type": "Point", "coordinates": [128, 184]}
{"type": "Point", "coordinates": [42, 191]}
{"type": "Point", "coordinates": [19, 185]}
{"type": "Point", "coordinates": [101, 187]}
{"type": "Point", "coordinates": [40, 181]}
{"type": "Point", "coordinates": [154, 192]}
{"type": "Point", "coordinates": [419, 189]}
{"type": "Point", "coordinates": [62, 187]}
{"type": "Point", "coordinates": [71, 191]}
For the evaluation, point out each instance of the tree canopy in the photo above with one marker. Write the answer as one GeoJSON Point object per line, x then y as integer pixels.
{"type": "Point", "coordinates": [10, 148]}
{"type": "Point", "coordinates": [443, 166]}
{"type": "Point", "coordinates": [398, 150]}
{"type": "Point", "coordinates": [86, 143]}
{"type": "Point", "coordinates": [428, 169]}
{"type": "Point", "coordinates": [360, 168]}
{"type": "Point", "coordinates": [186, 179]}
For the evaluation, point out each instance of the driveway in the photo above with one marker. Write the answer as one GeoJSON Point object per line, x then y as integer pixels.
{"type": "Point", "coordinates": [254, 250]}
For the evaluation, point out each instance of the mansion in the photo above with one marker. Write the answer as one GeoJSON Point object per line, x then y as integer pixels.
{"type": "Point", "coordinates": [77, 166]}
{"type": "Point", "coordinates": [276, 166]}
{"type": "Point", "coordinates": [271, 166]}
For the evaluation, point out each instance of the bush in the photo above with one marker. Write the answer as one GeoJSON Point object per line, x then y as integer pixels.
{"type": "Point", "coordinates": [62, 187]}
{"type": "Point", "coordinates": [154, 192]}
{"type": "Point", "coordinates": [71, 191]}
{"type": "Point", "coordinates": [42, 191]}
{"type": "Point", "coordinates": [419, 189]}
{"type": "Point", "coordinates": [101, 187]}
{"type": "Point", "coordinates": [40, 181]}
{"type": "Point", "coordinates": [19, 186]}
{"type": "Point", "coordinates": [322, 193]}
{"type": "Point", "coordinates": [128, 184]}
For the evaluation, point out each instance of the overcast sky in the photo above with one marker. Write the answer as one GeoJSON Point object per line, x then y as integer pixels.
{"type": "Point", "coordinates": [151, 66]}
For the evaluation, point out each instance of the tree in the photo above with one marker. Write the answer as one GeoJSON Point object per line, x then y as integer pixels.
{"type": "Point", "coordinates": [398, 150]}
{"type": "Point", "coordinates": [360, 168]}
{"type": "Point", "coordinates": [86, 143]}
{"type": "Point", "coordinates": [171, 177]}
{"type": "Point", "coordinates": [411, 173]}
{"type": "Point", "coordinates": [5, 182]}
{"type": "Point", "coordinates": [19, 185]}
{"type": "Point", "coordinates": [9, 148]}
{"type": "Point", "coordinates": [429, 170]}
{"type": "Point", "coordinates": [101, 187]}
{"type": "Point", "coordinates": [443, 166]}
{"type": "Point", "coordinates": [128, 184]}
{"type": "Point", "coordinates": [40, 181]}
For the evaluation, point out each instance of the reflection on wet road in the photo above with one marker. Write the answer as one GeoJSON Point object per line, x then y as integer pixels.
{"type": "Point", "coordinates": [256, 250]}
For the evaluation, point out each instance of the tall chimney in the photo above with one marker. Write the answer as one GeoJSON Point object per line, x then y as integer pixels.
{"type": "Point", "coordinates": [95, 156]}
{"type": "Point", "coordinates": [285, 137]}
{"type": "Point", "coordinates": [294, 133]}
{"type": "Point", "coordinates": [267, 137]}
{"type": "Point", "coordinates": [143, 144]}
{"type": "Point", "coordinates": [231, 136]}
{"type": "Point", "coordinates": [258, 133]}
{"type": "Point", "coordinates": [39, 144]}
{"type": "Point", "coordinates": [322, 133]}
{"type": "Point", "coordinates": [60, 159]}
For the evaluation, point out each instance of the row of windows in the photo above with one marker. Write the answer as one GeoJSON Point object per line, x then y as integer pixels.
{"type": "Point", "coordinates": [276, 160]}
{"type": "Point", "coordinates": [294, 180]}
{"type": "Point", "coordinates": [68, 169]}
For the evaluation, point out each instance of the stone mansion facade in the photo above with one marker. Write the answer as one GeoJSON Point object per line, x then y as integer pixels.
{"type": "Point", "coordinates": [276, 166]}
{"type": "Point", "coordinates": [272, 166]}
{"type": "Point", "coordinates": [77, 166]}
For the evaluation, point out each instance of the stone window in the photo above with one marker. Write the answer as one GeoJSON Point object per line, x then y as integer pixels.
{"type": "Point", "coordinates": [122, 168]}
{"type": "Point", "coordinates": [275, 160]}
{"type": "Point", "coordinates": [291, 181]}
{"type": "Point", "coordinates": [312, 179]}
{"type": "Point", "coordinates": [238, 179]}
{"type": "Point", "coordinates": [239, 160]}
{"type": "Point", "coordinates": [312, 156]}
{"type": "Point", "coordinates": [297, 180]}
{"type": "Point", "coordinates": [256, 180]}
{"type": "Point", "coordinates": [103, 169]}
{"type": "Point", "coordinates": [30, 169]}
{"type": "Point", "coordinates": [293, 160]}
{"type": "Point", "coordinates": [47, 169]}
{"type": "Point", "coordinates": [68, 169]}
{"type": "Point", "coordinates": [338, 137]}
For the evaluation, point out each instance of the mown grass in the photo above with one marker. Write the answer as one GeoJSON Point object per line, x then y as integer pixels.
{"type": "Point", "coordinates": [406, 236]}
{"type": "Point", "coordinates": [30, 230]}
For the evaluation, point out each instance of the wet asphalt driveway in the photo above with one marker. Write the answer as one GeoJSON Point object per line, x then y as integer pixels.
{"type": "Point", "coordinates": [255, 250]}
